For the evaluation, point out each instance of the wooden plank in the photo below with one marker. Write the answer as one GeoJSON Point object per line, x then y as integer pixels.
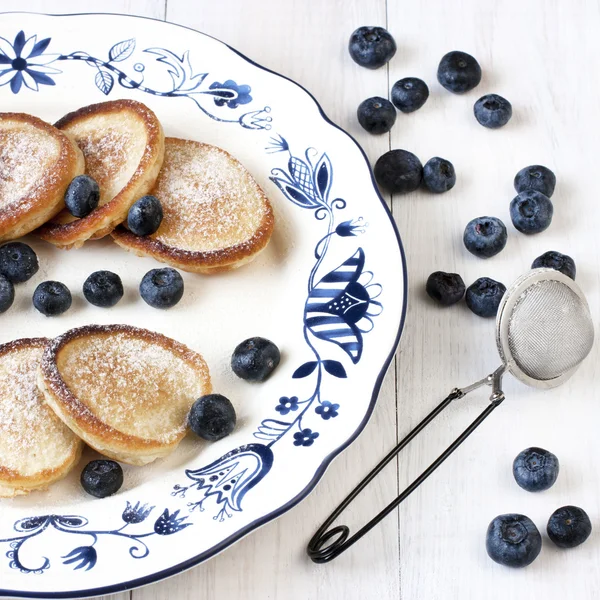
{"type": "Point", "coordinates": [306, 41]}
{"type": "Point", "coordinates": [541, 56]}
{"type": "Point", "coordinates": [147, 8]}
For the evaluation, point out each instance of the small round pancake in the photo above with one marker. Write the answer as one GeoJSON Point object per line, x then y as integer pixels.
{"type": "Point", "coordinates": [36, 447]}
{"type": "Point", "coordinates": [123, 145]}
{"type": "Point", "coordinates": [125, 391]}
{"type": "Point", "coordinates": [216, 217]}
{"type": "Point", "coordinates": [37, 163]}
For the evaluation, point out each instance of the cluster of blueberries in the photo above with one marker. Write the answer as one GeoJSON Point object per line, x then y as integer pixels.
{"type": "Point", "coordinates": [160, 288]}
{"type": "Point", "coordinates": [513, 540]}
{"type": "Point", "coordinates": [400, 171]}
{"type": "Point", "coordinates": [211, 417]}
{"type": "Point", "coordinates": [484, 237]}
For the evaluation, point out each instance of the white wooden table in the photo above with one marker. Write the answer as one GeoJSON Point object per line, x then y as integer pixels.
{"type": "Point", "coordinates": [543, 55]}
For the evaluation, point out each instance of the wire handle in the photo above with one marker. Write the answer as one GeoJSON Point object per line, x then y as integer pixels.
{"type": "Point", "coordinates": [318, 548]}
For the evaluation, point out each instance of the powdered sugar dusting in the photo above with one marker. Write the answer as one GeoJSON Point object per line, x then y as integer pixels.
{"type": "Point", "coordinates": [209, 199]}
{"type": "Point", "coordinates": [25, 153]}
{"type": "Point", "coordinates": [110, 158]}
{"type": "Point", "coordinates": [31, 435]}
{"type": "Point", "coordinates": [135, 386]}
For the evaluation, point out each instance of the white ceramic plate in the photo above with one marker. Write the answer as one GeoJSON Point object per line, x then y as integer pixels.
{"type": "Point", "coordinates": [330, 290]}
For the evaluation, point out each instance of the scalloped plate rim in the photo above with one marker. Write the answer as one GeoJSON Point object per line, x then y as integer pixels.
{"type": "Point", "coordinates": [224, 544]}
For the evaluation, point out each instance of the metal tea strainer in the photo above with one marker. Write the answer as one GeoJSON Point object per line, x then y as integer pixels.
{"type": "Point", "coordinates": [544, 330]}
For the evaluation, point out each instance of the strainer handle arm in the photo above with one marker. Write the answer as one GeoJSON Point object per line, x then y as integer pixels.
{"type": "Point", "coordinates": [318, 548]}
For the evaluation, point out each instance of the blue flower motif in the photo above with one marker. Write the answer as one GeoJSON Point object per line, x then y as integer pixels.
{"type": "Point", "coordinates": [341, 307]}
{"type": "Point", "coordinates": [167, 524]}
{"type": "Point", "coordinates": [277, 144]}
{"type": "Point", "coordinates": [137, 513]}
{"type": "Point", "coordinates": [327, 410]}
{"type": "Point", "coordinates": [23, 62]}
{"type": "Point", "coordinates": [351, 228]}
{"type": "Point", "coordinates": [286, 404]}
{"type": "Point", "coordinates": [86, 556]}
{"type": "Point", "coordinates": [306, 437]}
{"type": "Point", "coordinates": [241, 96]}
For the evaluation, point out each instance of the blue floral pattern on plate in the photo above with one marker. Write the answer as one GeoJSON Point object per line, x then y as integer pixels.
{"type": "Point", "coordinates": [86, 556]}
{"type": "Point", "coordinates": [340, 308]}
{"type": "Point", "coordinates": [24, 62]}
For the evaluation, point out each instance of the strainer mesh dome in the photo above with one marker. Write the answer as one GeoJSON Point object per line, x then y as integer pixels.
{"type": "Point", "coordinates": [550, 330]}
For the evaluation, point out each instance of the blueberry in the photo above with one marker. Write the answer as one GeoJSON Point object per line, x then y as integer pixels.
{"type": "Point", "coordinates": [145, 216]}
{"type": "Point", "coordinates": [7, 294]}
{"type": "Point", "coordinates": [531, 212]}
{"type": "Point", "coordinates": [569, 526]}
{"type": "Point", "coordinates": [535, 469]}
{"type": "Point", "coordinates": [557, 261]}
{"type": "Point", "coordinates": [399, 171]}
{"type": "Point", "coordinates": [446, 288]}
{"type": "Point", "coordinates": [18, 262]}
{"type": "Point", "coordinates": [513, 540]}
{"type": "Point", "coordinates": [52, 298]}
{"type": "Point", "coordinates": [255, 359]}
{"type": "Point", "coordinates": [459, 72]}
{"type": "Point", "coordinates": [212, 417]}
{"type": "Point", "coordinates": [102, 478]}
{"type": "Point", "coordinates": [439, 175]}
{"type": "Point", "coordinates": [492, 111]}
{"type": "Point", "coordinates": [535, 177]}
{"type": "Point", "coordinates": [82, 196]}
{"type": "Point", "coordinates": [409, 94]}
{"type": "Point", "coordinates": [162, 288]}
{"type": "Point", "coordinates": [376, 115]}
{"type": "Point", "coordinates": [485, 236]}
{"type": "Point", "coordinates": [484, 295]}
{"type": "Point", "coordinates": [103, 288]}
{"type": "Point", "coordinates": [371, 47]}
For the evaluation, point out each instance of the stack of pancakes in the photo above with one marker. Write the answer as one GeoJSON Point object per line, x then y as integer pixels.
{"type": "Point", "coordinates": [124, 391]}
{"type": "Point", "coordinates": [216, 217]}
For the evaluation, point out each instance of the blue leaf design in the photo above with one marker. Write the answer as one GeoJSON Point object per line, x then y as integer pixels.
{"type": "Point", "coordinates": [72, 522]}
{"type": "Point", "coordinates": [104, 82]}
{"type": "Point", "coordinates": [85, 555]}
{"type": "Point", "coordinates": [31, 523]}
{"type": "Point", "coordinates": [335, 368]}
{"type": "Point", "coordinates": [271, 429]}
{"type": "Point", "coordinates": [323, 176]}
{"type": "Point", "coordinates": [305, 370]}
{"type": "Point", "coordinates": [174, 63]}
{"type": "Point", "coordinates": [122, 50]}
{"type": "Point", "coordinates": [293, 193]}
{"type": "Point", "coordinates": [179, 68]}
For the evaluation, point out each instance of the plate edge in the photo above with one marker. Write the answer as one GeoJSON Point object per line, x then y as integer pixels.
{"type": "Point", "coordinates": [196, 560]}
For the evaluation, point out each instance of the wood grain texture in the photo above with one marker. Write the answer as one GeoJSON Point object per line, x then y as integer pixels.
{"type": "Point", "coordinates": [146, 8]}
{"type": "Point", "coordinates": [543, 55]}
